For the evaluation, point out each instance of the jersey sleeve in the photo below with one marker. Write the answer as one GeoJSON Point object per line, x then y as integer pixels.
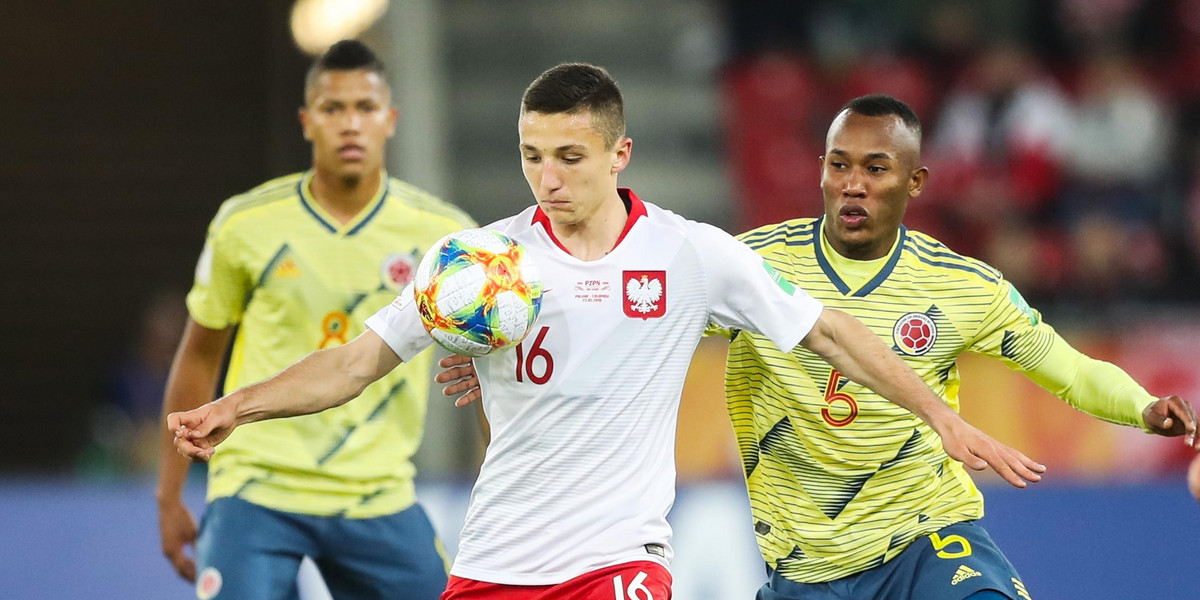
{"type": "Point", "coordinates": [400, 326]}
{"type": "Point", "coordinates": [1012, 331]}
{"type": "Point", "coordinates": [1016, 334]}
{"type": "Point", "coordinates": [221, 286]}
{"type": "Point", "coordinates": [745, 292]}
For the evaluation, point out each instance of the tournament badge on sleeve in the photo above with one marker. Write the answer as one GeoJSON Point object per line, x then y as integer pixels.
{"type": "Point", "coordinates": [645, 294]}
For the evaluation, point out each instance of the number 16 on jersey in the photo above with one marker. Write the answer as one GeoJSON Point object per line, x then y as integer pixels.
{"type": "Point", "coordinates": [536, 363]}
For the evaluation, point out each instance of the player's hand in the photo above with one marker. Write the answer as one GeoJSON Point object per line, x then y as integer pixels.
{"type": "Point", "coordinates": [460, 374]}
{"type": "Point", "coordinates": [197, 432]}
{"type": "Point", "coordinates": [1172, 416]}
{"type": "Point", "coordinates": [177, 528]}
{"type": "Point", "coordinates": [977, 450]}
{"type": "Point", "coordinates": [1194, 478]}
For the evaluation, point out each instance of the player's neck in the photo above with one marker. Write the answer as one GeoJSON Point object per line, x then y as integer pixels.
{"type": "Point", "coordinates": [344, 198]}
{"type": "Point", "coordinates": [867, 251]}
{"type": "Point", "coordinates": [595, 236]}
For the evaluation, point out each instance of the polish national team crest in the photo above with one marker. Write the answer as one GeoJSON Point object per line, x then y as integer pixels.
{"type": "Point", "coordinates": [645, 294]}
{"type": "Point", "coordinates": [208, 584]}
{"type": "Point", "coordinates": [914, 334]}
{"type": "Point", "coordinates": [397, 270]}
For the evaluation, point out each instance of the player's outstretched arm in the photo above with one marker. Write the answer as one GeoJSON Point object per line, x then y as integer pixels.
{"type": "Point", "coordinates": [856, 352]}
{"type": "Point", "coordinates": [319, 381]}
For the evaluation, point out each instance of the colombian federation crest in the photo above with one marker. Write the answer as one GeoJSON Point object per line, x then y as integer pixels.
{"type": "Point", "coordinates": [645, 294]}
{"type": "Point", "coordinates": [397, 270]}
{"type": "Point", "coordinates": [914, 334]}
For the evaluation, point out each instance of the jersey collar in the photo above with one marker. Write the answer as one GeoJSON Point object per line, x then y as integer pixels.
{"type": "Point", "coordinates": [832, 274]}
{"type": "Point", "coordinates": [364, 216]}
{"type": "Point", "coordinates": [633, 206]}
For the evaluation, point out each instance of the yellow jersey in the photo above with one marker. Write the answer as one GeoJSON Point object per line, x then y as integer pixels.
{"type": "Point", "coordinates": [840, 479]}
{"type": "Point", "coordinates": [293, 281]}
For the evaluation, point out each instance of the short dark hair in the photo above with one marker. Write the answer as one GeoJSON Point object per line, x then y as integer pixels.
{"type": "Point", "coordinates": [577, 87]}
{"type": "Point", "coordinates": [883, 105]}
{"type": "Point", "coordinates": [346, 55]}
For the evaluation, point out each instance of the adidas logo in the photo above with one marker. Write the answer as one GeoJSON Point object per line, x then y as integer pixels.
{"type": "Point", "coordinates": [964, 573]}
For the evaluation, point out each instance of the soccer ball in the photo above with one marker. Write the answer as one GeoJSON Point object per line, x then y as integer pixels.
{"type": "Point", "coordinates": [477, 291]}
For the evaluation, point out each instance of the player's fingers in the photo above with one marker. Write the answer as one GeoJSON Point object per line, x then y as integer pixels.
{"type": "Point", "coordinates": [1002, 468]}
{"type": "Point", "coordinates": [186, 447]}
{"type": "Point", "coordinates": [459, 387]}
{"type": "Point", "coordinates": [1187, 415]}
{"type": "Point", "coordinates": [1023, 466]}
{"type": "Point", "coordinates": [209, 421]}
{"type": "Point", "coordinates": [187, 569]}
{"type": "Point", "coordinates": [1030, 464]}
{"type": "Point", "coordinates": [468, 397]}
{"type": "Point", "coordinates": [184, 565]}
{"type": "Point", "coordinates": [454, 360]}
{"type": "Point", "coordinates": [451, 374]}
{"type": "Point", "coordinates": [967, 457]}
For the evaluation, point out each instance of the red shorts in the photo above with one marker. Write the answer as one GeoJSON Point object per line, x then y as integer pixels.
{"type": "Point", "coordinates": [641, 580]}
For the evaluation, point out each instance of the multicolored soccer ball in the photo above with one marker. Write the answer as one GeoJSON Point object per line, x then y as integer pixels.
{"type": "Point", "coordinates": [477, 291]}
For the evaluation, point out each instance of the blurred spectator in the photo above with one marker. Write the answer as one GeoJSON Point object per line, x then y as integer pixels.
{"type": "Point", "coordinates": [1071, 163]}
{"type": "Point", "coordinates": [1116, 163]}
{"type": "Point", "coordinates": [998, 149]}
{"type": "Point", "coordinates": [127, 420]}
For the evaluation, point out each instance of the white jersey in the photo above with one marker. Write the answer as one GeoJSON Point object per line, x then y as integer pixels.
{"type": "Point", "coordinates": [580, 471]}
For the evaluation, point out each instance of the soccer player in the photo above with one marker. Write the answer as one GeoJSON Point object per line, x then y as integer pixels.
{"type": "Point", "coordinates": [572, 497]}
{"type": "Point", "coordinates": [852, 497]}
{"type": "Point", "coordinates": [293, 266]}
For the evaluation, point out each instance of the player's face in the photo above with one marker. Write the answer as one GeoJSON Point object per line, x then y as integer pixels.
{"type": "Point", "coordinates": [569, 168]}
{"type": "Point", "coordinates": [348, 118]}
{"type": "Point", "coordinates": [870, 170]}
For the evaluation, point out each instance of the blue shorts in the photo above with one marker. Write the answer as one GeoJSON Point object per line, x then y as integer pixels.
{"type": "Point", "coordinates": [950, 564]}
{"type": "Point", "coordinates": [248, 552]}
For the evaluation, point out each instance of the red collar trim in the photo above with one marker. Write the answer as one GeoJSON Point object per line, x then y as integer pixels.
{"type": "Point", "coordinates": [633, 205]}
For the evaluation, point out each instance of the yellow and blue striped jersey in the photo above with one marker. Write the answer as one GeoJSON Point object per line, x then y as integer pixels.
{"type": "Point", "coordinates": [840, 479]}
{"type": "Point", "coordinates": [294, 280]}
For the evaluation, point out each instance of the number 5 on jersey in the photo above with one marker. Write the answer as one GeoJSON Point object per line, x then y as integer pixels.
{"type": "Point", "coordinates": [536, 364]}
{"type": "Point", "coordinates": [845, 402]}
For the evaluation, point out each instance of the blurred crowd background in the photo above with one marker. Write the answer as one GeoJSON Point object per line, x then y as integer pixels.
{"type": "Point", "coordinates": [1062, 136]}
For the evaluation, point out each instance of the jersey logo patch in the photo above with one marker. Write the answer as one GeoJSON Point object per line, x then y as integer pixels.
{"type": "Point", "coordinates": [779, 280]}
{"type": "Point", "coordinates": [208, 584]}
{"type": "Point", "coordinates": [914, 334]}
{"type": "Point", "coordinates": [645, 294]}
{"type": "Point", "coordinates": [287, 269]}
{"type": "Point", "coordinates": [1019, 301]}
{"type": "Point", "coordinates": [964, 573]}
{"type": "Point", "coordinates": [397, 270]}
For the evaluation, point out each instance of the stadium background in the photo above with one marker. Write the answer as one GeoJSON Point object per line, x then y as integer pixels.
{"type": "Point", "coordinates": [1063, 136]}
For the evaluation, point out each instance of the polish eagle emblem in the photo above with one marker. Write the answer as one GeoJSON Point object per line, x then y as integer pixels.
{"type": "Point", "coordinates": [643, 294]}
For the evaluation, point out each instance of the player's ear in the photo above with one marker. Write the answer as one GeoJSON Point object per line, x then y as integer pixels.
{"type": "Point", "coordinates": [392, 117]}
{"type": "Point", "coordinates": [622, 154]}
{"type": "Point", "coordinates": [304, 123]}
{"type": "Point", "coordinates": [916, 182]}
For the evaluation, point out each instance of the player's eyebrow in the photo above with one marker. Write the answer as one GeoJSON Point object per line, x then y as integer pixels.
{"type": "Point", "coordinates": [566, 148]}
{"type": "Point", "coordinates": [870, 156]}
